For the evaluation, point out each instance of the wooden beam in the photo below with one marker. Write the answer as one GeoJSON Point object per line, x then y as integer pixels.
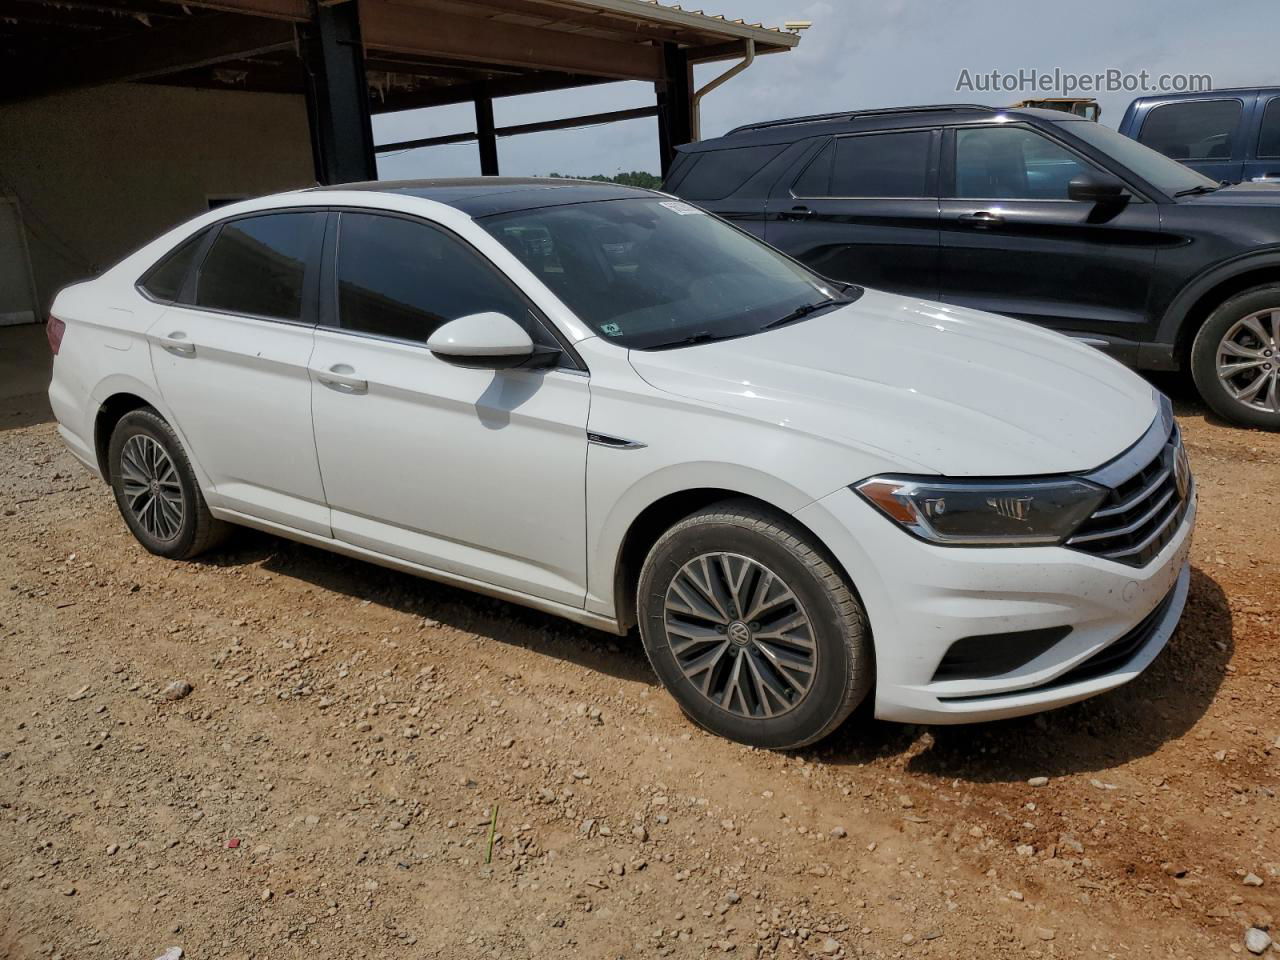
{"type": "Point", "coordinates": [296, 11]}
{"type": "Point", "coordinates": [183, 46]}
{"type": "Point", "coordinates": [541, 126]}
{"type": "Point", "coordinates": [402, 29]}
{"type": "Point", "coordinates": [445, 94]}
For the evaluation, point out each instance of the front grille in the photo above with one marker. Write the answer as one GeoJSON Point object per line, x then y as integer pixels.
{"type": "Point", "coordinates": [1140, 515]}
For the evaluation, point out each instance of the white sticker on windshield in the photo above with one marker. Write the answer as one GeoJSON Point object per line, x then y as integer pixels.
{"type": "Point", "coordinates": [680, 207]}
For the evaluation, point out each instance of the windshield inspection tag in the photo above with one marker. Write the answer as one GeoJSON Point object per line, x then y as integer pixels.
{"type": "Point", "coordinates": [680, 207]}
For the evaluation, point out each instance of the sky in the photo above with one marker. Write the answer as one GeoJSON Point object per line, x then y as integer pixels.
{"type": "Point", "coordinates": [860, 54]}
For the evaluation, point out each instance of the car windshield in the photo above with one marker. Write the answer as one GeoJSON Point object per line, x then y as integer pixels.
{"type": "Point", "coordinates": [1166, 175]}
{"type": "Point", "coordinates": [651, 273]}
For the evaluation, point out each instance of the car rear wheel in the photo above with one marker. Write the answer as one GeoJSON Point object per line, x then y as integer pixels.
{"type": "Point", "coordinates": [1235, 358]}
{"type": "Point", "coordinates": [156, 490]}
{"type": "Point", "coordinates": [752, 629]}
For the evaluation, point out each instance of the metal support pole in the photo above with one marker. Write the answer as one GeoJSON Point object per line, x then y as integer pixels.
{"type": "Point", "coordinates": [675, 104]}
{"type": "Point", "coordinates": [486, 137]}
{"type": "Point", "coordinates": [337, 94]}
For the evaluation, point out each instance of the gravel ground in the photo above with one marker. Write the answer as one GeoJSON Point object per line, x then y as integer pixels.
{"type": "Point", "coordinates": [327, 786]}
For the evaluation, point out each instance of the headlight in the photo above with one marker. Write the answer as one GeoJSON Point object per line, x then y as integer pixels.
{"type": "Point", "coordinates": [1011, 513]}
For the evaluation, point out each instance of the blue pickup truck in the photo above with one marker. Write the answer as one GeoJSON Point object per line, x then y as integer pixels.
{"type": "Point", "coordinates": [1229, 135]}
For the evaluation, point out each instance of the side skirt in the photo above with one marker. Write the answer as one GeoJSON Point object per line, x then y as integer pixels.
{"type": "Point", "coordinates": [575, 614]}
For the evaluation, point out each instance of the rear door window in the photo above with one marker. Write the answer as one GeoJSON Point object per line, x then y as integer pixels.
{"type": "Point", "coordinates": [256, 265]}
{"type": "Point", "coordinates": [872, 165]}
{"type": "Point", "coordinates": [1194, 130]}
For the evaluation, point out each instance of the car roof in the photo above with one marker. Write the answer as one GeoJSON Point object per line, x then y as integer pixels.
{"type": "Point", "coordinates": [485, 196]}
{"type": "Point", "coordinates": [857, 121]}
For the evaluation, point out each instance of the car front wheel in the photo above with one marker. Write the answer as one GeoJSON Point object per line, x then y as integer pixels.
{"type": "Point", "coordinates": [751, 627]}
{"type": "Point", "coordinates": [1235, 358]}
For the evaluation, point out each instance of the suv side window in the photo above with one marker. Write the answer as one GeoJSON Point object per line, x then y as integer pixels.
{"type": "Point", "coordinates": [404, 278]}
{"type": "Point", "coordinates": [1269, 133]}
{"type": "Point", "coordinates": [717, 173]}
{"type": "Point", "coordinates": [1195, 130]}
{"type": "Point", "coordinates": [870, 165]}
{"type": "Point", "coordinates": [1012, 163]}
{"type": "Point", "coordinates": [257, 264]}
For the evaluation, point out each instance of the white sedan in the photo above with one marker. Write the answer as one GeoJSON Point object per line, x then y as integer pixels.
{"type": "Point", "coordinates": [604, 403]}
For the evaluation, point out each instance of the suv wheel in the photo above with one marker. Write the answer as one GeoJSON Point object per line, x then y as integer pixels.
{"type": "Point", "coordinates": [1235, 358]}
{"type": "Point", "coordinates": [751, 628]}
{"type": "Point", "coordinates": [156, 489]}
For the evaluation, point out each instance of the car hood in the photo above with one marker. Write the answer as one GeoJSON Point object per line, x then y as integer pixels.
{"type": "Point", "coordinates": [1239, 195]}
{"type": "Point", "coordinates": [931, 388]}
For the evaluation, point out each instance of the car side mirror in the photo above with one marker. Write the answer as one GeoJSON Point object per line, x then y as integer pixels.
{"type": "Point", "coordinates": [488, 341]}
{"type": "Point", "coordinates": [1096, 188]}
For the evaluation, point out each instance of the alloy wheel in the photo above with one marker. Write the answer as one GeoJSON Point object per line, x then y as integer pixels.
{"type": "Point", "coordinates": [1248, 361]}
{"type": "Point", "coordinates": [740, 635]}
{"type": "Point", "coordinates": [152, 490]}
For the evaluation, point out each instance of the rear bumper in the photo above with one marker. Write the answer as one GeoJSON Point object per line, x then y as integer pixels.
{"type": "Point", "coordinates": [921, 598]}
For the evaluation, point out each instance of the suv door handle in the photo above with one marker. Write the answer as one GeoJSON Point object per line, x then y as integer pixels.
{"type": "Point", "coordinates": [798, 212]}
{"type": "Point", "coordinates": [177, 344]}
{"type": "Point", "coordinates": [981, 219]}
{"type": "Point", "coordinates": [338, 377]}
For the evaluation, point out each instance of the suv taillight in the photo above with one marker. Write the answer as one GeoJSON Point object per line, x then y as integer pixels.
{"type": "Point", "coordinates": [55, 328]}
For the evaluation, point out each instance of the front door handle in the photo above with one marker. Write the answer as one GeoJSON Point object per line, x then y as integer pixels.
{"type": "Point", "coordinates": [981, 219]}
{"type": "Point", "coordinates": [338, 377]}
{"type": "Point", "coordinates": [177, 344]}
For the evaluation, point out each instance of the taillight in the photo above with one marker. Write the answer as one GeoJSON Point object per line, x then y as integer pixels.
{"type": "Point", "coordinates": [55, 328]}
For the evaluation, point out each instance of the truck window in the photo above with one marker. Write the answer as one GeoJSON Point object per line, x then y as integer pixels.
{"type": "Point", "coordinates": [1269, 134]}
{"type": "Point", "coordinates": [1194, 130]}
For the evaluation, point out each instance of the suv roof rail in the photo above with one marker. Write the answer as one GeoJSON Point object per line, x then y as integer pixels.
{"type": "Point", "coordinates": [855, 114]}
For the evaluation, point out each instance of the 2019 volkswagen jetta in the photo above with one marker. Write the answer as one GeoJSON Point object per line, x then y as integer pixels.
{"type": "Point", "coordinates": [607, 404]}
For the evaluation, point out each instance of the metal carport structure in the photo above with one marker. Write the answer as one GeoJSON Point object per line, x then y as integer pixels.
{"type": "Point", "coordinates": [355, 58]}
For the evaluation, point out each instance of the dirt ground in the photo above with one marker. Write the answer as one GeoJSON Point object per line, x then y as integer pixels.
{"type": "Point", "coordinates": [328, 787]}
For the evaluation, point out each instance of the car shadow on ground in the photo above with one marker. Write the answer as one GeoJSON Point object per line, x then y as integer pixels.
{"type": "Point", "coordinates": [1162, 704]}
{"type": "Point", "coordinates": [619, 657]}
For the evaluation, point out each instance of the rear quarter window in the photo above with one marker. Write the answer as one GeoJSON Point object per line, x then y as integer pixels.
{"type": "Point", "coordinates": [1193, 130]}
{"type": "Point", "coordinates": [165, 280]}
{"type": "Point", "coordinates": [717, 173]}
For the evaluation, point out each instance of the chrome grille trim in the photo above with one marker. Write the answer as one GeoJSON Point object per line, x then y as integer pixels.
{"type": "Point", "coordinates": [1144, 508]}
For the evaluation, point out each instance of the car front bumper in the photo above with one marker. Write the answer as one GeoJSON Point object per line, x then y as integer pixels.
{"type": "Point", "coordinates": [921, 598]}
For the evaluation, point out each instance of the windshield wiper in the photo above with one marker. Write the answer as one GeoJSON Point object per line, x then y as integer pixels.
{"type": "Point", "coordinates": [1196, 190]}
{"type": "Point", "coordinates": [704, 336]}
{"type": "Point", "coordinates": [799, 313]}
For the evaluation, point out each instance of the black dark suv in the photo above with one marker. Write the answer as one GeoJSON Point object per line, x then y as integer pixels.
{"type": "Point", "coordinates": [1032, 213]}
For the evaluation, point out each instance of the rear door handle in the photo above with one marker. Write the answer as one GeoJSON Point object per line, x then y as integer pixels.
{"type": "Point", "coordinates": [338, 377]}
{"type": "Point", "coordinates": [177, 344]}
{"type": "Point", "coordinates": [981, 218]}
{"type": "Point", "coordinates": [798, 212]}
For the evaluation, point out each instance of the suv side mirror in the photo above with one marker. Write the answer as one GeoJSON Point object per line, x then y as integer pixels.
{"type": "Point", "coordinates": [1096, 188]}
{"type": "Point", "coordinates": [488, 341]}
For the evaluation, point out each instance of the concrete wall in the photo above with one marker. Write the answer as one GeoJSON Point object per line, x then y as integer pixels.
{"type": "Point", "coordinates": [98, 172]}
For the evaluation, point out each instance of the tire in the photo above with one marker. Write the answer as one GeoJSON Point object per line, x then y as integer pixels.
{"type": "Point", "coordinates": [767, 707]}
{"type": "Point", "coordinates": [1242, 321]}
{"type": "Point", "coordinates": [143, 448]}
